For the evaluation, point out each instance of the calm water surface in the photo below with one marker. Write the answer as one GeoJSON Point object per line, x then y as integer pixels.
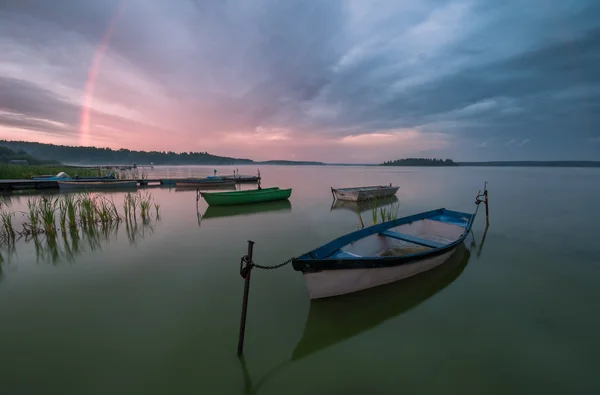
{"type": "Point", "coordinates": [155, 310]}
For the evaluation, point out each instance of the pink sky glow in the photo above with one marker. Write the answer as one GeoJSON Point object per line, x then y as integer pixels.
{"type": "Point", "coordinates": [364, 84]}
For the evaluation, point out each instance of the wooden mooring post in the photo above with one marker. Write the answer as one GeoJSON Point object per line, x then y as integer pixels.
{"type": "Point", "coordinates": [245, 271]}
{"type": "Point", "coordinates": [487, 212]}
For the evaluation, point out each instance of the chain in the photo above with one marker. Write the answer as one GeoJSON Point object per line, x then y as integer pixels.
{"type": "Point", "coordinates": [246, 265]}
{"type": "Point", "coordinates": [274, 266]}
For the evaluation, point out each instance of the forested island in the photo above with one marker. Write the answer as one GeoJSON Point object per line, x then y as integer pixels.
{"type": "Point", "coordinates": [449, 162]}
{"type": "Point", "coordinates": [420, 162]}
{"type": "Point", "coordinates": [106, 156]}
{"type": "Point", "coordinates": [50, 153]}
{"type": "Point", "coordinates": [8, 155]}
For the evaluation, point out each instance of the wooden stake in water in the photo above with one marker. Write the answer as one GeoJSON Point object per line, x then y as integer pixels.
{"type": "Point", "coordinates": [487, 212]}
{"type": "Point", "coordinates": [245, 271]}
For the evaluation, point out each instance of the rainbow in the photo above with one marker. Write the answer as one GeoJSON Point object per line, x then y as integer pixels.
{"type": "Point", "coordinates": [88, 94]}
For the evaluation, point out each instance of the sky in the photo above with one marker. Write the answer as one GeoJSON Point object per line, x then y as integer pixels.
{"type": "Point", "coordinates": [353, 81]}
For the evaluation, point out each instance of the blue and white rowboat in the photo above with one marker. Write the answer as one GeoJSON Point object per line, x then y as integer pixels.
{"type": "Point", "coordinates": [384, 253]}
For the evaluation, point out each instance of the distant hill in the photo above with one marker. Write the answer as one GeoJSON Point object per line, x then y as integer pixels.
{"type": "Point", "coordinates": [107, 156]}
{"type": "Point", "coordinates": [7, 155]}
{"type": "Point", "coordinates": [420, 162]}
{"type": "Point", "coordinates": [556, 163]}
{"type": "Point", "coordinates": [449, 162]}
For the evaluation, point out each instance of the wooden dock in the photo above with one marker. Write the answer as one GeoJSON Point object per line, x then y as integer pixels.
{"type": "Point", "coordinates": [16, 185]}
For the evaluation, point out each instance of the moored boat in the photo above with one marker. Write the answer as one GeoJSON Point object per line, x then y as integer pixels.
{"type": "Point", "coordinates": [357, 194]}
{"type": "Point", "coordinates": [384, 253]}
{"type": "Point", "coordinates": [239, 178]}
{"type": "Point", "coordinates": [247, 196]}
{"type": "Point", "coordinates": [204, 183]}
{"type": "Point", "coordinates": [242, 178]}
{"type": "Point", "coordinates": [62, 176]}
{"type": "Point", "coordinates": [95, 185]}
{"type": "Point", "coordinates": [334, 320]}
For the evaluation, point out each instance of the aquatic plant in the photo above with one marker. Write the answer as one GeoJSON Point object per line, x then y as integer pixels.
{"type": "Point", "coordinates": [72, 211]}
{"type": "Point", "coordinates": [71, 207]}
{"type": "Point", "coordinates": [62, 206]}
{"type": "Point", "coordinates": [8, 232]}
{"type": "Point", "coordinates": [381, 212]}
{"type": "Point", "coordinates": [33, 214]}
{"type": "Point", "coordinates": [144, 202]}
{"type": "Point", "coordinates": [87, 212]}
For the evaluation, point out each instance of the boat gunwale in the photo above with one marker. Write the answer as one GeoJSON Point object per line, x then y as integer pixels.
{"type": "Point", "coordinates": [309, 263]}
{"type": "Point", "coordinates": [366, 189]}
{"type": "Point", "coordinates": [248, 191]}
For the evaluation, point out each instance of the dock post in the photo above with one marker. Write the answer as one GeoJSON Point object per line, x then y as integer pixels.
{"type": "Point", "coordinates": [245, 271]}
{"type": "Point", "coordinates": [487, 212]}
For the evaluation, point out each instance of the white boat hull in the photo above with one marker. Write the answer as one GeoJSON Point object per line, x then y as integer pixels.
{"type": "Point", "coordinates": [361, 194]}
{"type": "Point", "coordinates": [327, 283]}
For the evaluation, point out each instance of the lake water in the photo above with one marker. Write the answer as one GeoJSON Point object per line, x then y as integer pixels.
{"type": "Point", "coordinates": [156, 310]}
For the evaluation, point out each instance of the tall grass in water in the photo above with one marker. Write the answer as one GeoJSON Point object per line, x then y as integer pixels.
{"type": "Point", "coordinates": [382, 212]}
{"type": "Point", "coordinates": [71, 212]}
{"type": "Point", "coordinates": [33, 214]}
{"type": "Point", "coordinates": [144, 201]}
{"type": "Point", "coordinates": [71, 208]}
{"type": "Point", "coordinates": [7, 226]}
{"type": "Point", "coordinates": [47, 210]}
{"type": "Point", "coordinates": [87, 211]}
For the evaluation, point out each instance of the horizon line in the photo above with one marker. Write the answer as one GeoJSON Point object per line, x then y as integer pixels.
{"type": "Point", "coordinates": [314, 161]}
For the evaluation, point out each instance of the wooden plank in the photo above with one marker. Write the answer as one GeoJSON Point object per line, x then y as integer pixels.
{"type": "Point", "coordinates": [412, 239]}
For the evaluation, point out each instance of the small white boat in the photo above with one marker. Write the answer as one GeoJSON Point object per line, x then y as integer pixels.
{"type": "Point", "coordinates": [358, 194]}
{"type": "Point", "coordinates": [94, 185]}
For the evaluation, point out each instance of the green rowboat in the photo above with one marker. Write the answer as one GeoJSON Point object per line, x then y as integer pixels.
{"type": "Point", "coordinates": [245, 197]}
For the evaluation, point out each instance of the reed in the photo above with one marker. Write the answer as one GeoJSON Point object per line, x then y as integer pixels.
{"type": "Point", "coordinates": [47, 210]}
{"type": "Point", "coordinates": [144, 203]}
{"type": "Point", "coordinates": [71, 207]}
{"type": "Point", "coordinates": [70, 212]}
{"type": "Point", "coordinates": [62, 216]}
{"type": "Point", "coordinates": [87, 210]}
{"type": "Point", "coordinates": [381, 212]}
{"type": "Point", "coordinates": [8, 231]}
{"type": "Point", "coordinates": [33, 214]}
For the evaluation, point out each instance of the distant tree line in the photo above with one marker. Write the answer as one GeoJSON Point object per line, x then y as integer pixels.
{"type": "Point", "coordinates": [7, 155]}
{"type": "Point", "coordinates": [101, 156]}
{"type": "Point", "coordinates": [420, 162]}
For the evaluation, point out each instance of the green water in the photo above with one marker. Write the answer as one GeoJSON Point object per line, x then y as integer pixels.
{"type": "Point", "coordinates": [157, 311]}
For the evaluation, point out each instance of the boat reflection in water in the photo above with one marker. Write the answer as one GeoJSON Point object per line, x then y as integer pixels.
{"type": "Point", "coordinates": [333, 320]}
{"type": "Point", "coordinates": [364, 205]}
{"type": "Point", "coordinates": [244, 209]}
